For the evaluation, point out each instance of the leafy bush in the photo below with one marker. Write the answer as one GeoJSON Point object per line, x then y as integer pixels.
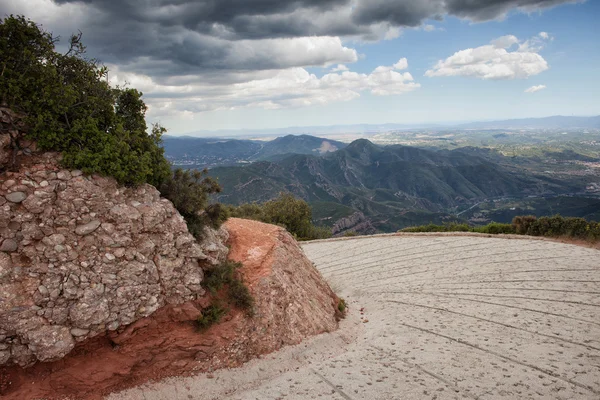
{"type": "Point", "coordinates": [210, 316]}
{"type": "Point", "coordinates": [189, 191]}
{"type": "Point", "coordinates": [554, 226]}
{"type": "Point", "coordinates": [341, 305]}
{"type": "Point", "coordinates": [68, 106]}
{"type": "Point", "coordinates": [225, 274]}
{"type": "Point", "coordinates": [248, 211]}
{"type": "Point", "coordinates": [557, 226]}
{"type": "Point", "coordinates": [495, 228]}
{"type": "Point", "coordinates": [523, 223]}
{"type": "Point", "coordinates": [219, 275]}
{"type": "Point", "coordinates": [239, 295]}
{"type": "Point", "coordinates": [293, 214]}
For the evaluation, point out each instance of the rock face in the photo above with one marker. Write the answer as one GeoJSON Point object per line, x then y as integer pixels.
{"type": "Point", "coordinates": [356, 222]}
{"type": "Point", "coordinates": [292, 301]}
{"type": "Point", "coordinates": [80, 255]}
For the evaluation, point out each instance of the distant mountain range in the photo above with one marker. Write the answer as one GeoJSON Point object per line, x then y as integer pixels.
{"type": "Point", "coordinates": [209, 152]}
{"type": "Point", "coordinates": [553, 122]}
{"type": "Point", "coordinates": [393, 186]}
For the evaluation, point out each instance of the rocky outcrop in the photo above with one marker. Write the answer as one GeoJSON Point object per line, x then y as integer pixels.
{"type": "Point", "coordinates": [356, 222]}
{"type": "Point", "coordinates": [80, 256]}
{"type": "Point", "coordinates": [291, 301]}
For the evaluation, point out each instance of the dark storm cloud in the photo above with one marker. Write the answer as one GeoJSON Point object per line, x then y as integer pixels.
{"type": "Point", "coordinates": [285, 18]}
{"type": "Point", "coordinates": [484, 10]}
{"type": "Point", "coordinates": [179, 37]}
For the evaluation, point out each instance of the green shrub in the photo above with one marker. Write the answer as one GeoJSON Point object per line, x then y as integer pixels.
{"type": "Point", "coordinates": [189, 191]}
{"type": "Point", "coordinates": [341, 305]}
{"type": "Point", "coordinates": [287, 211]}
{"type": "Point", "coordinates": [219, 275]}
{"type": "Point", "coordinates": [239, 295]}
{"type": "Point", "coordinates": [216, 214]}
{"type": "Point", "coordinates": [523, 223]}
{"type": "Point", "coordinates": [225, 274]}
{"type": "Point", "coordinates": [448, 227]}
{"type": "Point", "coordinates": [319, 232]}
{"type": "Point", "coordinates": [554, 226]}
{"type": "Point", "coordinates": [67, 105]}
{"type": "Point", "coordinates": [210, 316]}
{"type": "Point", "coordinates": [495, 228]}
{"type": "Point", "coordinates": [557, 226]}
{"type": "Point", "coordinates": [350, 234]}
{"type": "Point", "coordinates": [295, 214]}
{"type": "Point", "coordinates": [248, 211]}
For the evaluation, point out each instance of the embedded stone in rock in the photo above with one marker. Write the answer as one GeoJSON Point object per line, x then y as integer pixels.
{"type": "Point", "coordinates": [16, 197]}
{"type": "Point", "coordinates": [88, 228]}
{"type": "Point", "coordinates": [79, 332]}
{"type": "Point", "coordinates": [85, 315]}
{"type": "Point", "coordinates": [50, 342]}
{"type": "Point", "coordinates": [64, 175]}
{"type": "Point", "coordinates": [9, 245]}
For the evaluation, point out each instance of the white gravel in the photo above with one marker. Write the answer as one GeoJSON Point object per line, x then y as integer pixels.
{"type": "Point", "coordinates": [444, 317]}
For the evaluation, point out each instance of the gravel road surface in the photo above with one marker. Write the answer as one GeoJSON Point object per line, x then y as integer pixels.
{"type": "Point", "coordinates": [434, 317]}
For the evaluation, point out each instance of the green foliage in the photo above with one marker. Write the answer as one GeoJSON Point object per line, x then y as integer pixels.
{"type": "Point", "coordinates": [239, 295]}
{"type": "Point", "coordinates": [295, 214]}
{"type": "Point", "coordinates": [210, 316]}
{"type": "Point", "coordinates": [68, 106]}
{"type": "Point", "coordinates": [248, 211]}
{"type": "Point", "coordinates": [341, 305]}
{"type": "Point", "coordinates": [287, 211]}
{"type": "Point", "coordinates": [225, 274]}
{"type": "Point", "coordinates": [189, 191]}
{"type": "Point", "coordinates": [557, 226]}
{"type": "Point", "coordinates": [554, 226]}
{"type": "Point", "coordinates": [449, 227]}
{"type": "Point", "coordinates": [219, 275]}
{"type": "Point", "coordinates": [495, 228]}
{"type": "Point", "coordinates": [522, 223]}
{"type": "Point", "coordinates": [350, 234]}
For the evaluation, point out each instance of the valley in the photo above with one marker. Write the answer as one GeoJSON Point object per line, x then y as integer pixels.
{"type": "Point", "coordinates": [396, 179]}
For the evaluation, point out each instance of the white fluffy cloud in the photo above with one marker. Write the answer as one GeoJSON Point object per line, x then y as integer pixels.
{"type": "Point", "coordinates": [339, 68]}
{"type": "Point", "coordinates": [495, 60]}
{"type": "Point", "coordinates": [292, 87]}
{"type": "Point", "coordinates": [401, 64]}
{"type": "Point", "coordinates": [534, 89]}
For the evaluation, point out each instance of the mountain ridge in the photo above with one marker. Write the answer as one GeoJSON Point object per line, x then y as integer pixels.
{"type": "Point", "coordinates": [382, 182]}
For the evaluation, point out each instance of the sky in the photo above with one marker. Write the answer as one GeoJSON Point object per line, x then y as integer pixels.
{"type": "Point", "coordinates": [264, 64]}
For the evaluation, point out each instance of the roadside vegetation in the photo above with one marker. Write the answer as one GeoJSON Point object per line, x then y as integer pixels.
{"type": "Point", "coordinates": [555, 226]}
{"type": "Point", "coordinates": [225, 284]}
{"type": "Point", "coordinates": [287, 211]}
{"type": "Point", "coordinates": [65, 103]}
{"type": "Point", "coordinates": [227, 275]}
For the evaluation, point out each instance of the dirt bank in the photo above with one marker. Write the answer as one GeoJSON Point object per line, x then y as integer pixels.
{"type": "Point", "coordinates": [292, 301]}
